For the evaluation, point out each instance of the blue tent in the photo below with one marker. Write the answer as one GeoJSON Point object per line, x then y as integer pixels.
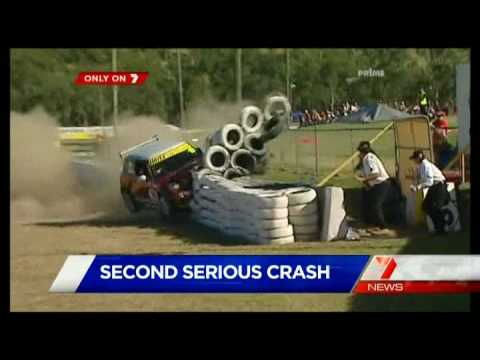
{"type": "Point", "coordinates": [374, 113]}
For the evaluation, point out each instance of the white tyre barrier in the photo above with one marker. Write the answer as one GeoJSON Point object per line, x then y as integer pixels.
{"type": "Point", "coordinates": [207, 214]}
{"type": "Point", "coordinates": [201, 173]}
{"type": "Point", "coordinates": [251, 119]}
{"type": "Point", "coordinates": [301, 196]}
{"type": "Point", "coordinates": [195, 206]}
{"type": "Point", "coordinates": [277, 241]}
{"type": "Point", "coordinates": [255, 145]}
{"type": "Point", "coordinates": [266, 202]}
{"type": "Point", "coordinates": [198, 177]}
{"type": "Point", "coordinates": [230, 136]}
{"type": "Point", "coordinates": [270, 213]}
{"type": "Point", "coordinates": [306, 229]}
{"type": "Point", "coordinates": [232, 173]}
{"type": "Point", "coordinates": [204, 198]}
{"type": "Point", "coordinates": [204, 221]}
{"type": "Point", "coordinates": [275, 103]}
{"type": "Point", "coordinates": [304, 209]}
{"type": "Point", "coordinates": [271, 224]}
{"type": "Point", "coordinates": [304, 220]}
{"type": "Point", "coordinates": [243, 159]}
{"type": "Point", "coordinates": [277, 233]}
{"type": "Point", "coordinates": [217, 158]}
{"type": "Point", "coordinates": [283, 240]}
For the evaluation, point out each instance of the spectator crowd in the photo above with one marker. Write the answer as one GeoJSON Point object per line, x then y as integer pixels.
{"type": "Point", "coordinates": [312, 117]}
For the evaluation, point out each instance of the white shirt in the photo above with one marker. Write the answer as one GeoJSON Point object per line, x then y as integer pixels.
{"type": "Point", "coordinates": [428, 174]}
{"type": "Point", "coordinates": [372, 165]}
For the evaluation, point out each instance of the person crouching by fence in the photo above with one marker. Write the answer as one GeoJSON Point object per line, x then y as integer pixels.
{"type": "Point", "coordinates": [430, 177]}
{"type": "Point", "coordinates": [376, 191]}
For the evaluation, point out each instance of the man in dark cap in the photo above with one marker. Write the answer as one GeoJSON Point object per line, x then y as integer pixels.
{"type": "Point", "coordinates": [377, 188]}
{"type": "Point", "coordinates": [430, 177]}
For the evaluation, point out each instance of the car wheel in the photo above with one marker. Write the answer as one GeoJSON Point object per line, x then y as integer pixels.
{"type": "Point", "coordinates": [130, 202]}
{"type": "Point", "coordinates": [166, 208]}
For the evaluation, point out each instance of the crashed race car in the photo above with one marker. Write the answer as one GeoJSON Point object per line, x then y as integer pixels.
{"type": "Point", "coordinates": [156, 174]}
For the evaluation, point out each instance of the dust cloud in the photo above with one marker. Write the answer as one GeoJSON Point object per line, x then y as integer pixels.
{"type": "Point", "coordinates": [45, 183]}
{"type": "Point", "coordinates": [208, 114]}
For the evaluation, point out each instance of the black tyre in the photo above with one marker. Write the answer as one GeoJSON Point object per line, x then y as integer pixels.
{"type": "Point", "coordinates": [130, 202]}
{"type": "Point", "coordinates": [167, 210]}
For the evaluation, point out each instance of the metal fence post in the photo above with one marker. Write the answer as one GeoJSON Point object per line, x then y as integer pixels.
{"type": "Point", "coordinates": [296, 153]}
{"type": "Point", "coordinates": [316, 151]}
{"type": "Point", "coordinates": [351, 148]}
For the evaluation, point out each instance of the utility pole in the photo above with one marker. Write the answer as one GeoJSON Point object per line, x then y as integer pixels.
{"type": "Point", "coordinates": [180, 87]}
{"type": "Point", "coordinates": [239, 74]}
{"type": "Point", "coordinates": [287, 61]}
{"type": "Point", "coordinates": [102, 110]}
{"type": "Point", "coordinates": [115, 93]}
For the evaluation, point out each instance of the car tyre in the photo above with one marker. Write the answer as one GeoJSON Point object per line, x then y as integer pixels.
{"type": "Point", "coordinates": [167, 210]}
{"type": "Point", "coordinates": [130, 202]}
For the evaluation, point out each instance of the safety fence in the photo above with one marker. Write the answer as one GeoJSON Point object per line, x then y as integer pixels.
{"type": "Point", "coordinates": [315, 152]}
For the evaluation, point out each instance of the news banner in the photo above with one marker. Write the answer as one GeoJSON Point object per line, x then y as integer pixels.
{"type": "Point", "coordinates": [358, 274]}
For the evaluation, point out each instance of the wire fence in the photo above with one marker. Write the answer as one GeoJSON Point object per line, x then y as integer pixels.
{"type": "Point", "coordinates": [317, 152]}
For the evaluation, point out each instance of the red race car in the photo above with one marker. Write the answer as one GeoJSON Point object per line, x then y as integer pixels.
{"type": "Point", "coordinates": [157, 174]}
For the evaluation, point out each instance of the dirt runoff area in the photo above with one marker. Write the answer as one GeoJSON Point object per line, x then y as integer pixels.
{"type": "Point", "coordinates": [39, 250]}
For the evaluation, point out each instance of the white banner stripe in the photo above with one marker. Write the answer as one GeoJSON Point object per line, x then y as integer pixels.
{"type": "Point", "coordinates": [427, 268]}
{"type": "Point", "coordinates": [72, 273]}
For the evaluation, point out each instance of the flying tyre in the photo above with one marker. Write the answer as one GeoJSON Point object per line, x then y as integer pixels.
{"type": "Point", "coordinates": [243, 159]}
{"type": "Point", "coordinates": [217, 158]}
{"type": "Point", "coordinates": [251, 119]}
{"type": "Point", "coordinates": [255, 145]}
{"type": "Point", "coordinates": [130, 202]}
{"type": "Point", "coordinates": [230, 136]}
{"type": "Point", "coordinates": [277, 105]}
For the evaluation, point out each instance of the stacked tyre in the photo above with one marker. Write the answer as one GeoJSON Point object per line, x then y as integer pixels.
{"type": "Point", "coordinates": [303, 213]}
{"type": "Point", "coordinates": [260, 216]}
{"type": "Point", "coordinates": [239, 149]}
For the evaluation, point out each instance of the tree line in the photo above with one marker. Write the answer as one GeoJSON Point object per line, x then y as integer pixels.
{"type": "Point", "coordinates": [319, 78]}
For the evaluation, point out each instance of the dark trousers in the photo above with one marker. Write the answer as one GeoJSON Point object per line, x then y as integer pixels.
{"type": "Point", "coordinates": [437, 197]}
{"type": "Point", "coordinates": [374, 199]}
